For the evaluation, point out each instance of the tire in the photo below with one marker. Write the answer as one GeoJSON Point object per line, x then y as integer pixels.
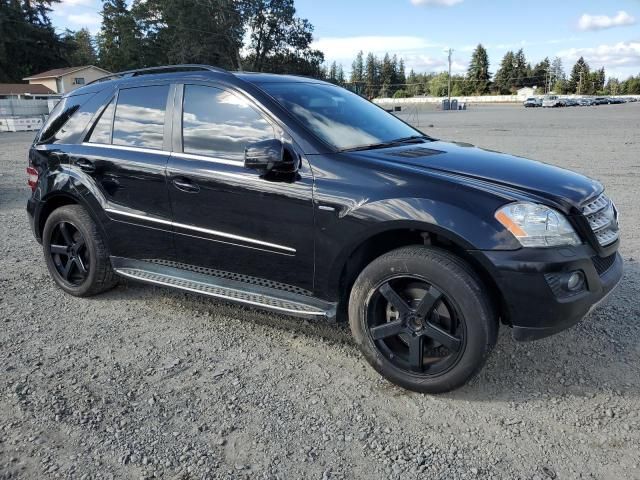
{"type": "Point", "coordinates": [89, 269]}
{"type": "Point", "coordinates": [470, 326]}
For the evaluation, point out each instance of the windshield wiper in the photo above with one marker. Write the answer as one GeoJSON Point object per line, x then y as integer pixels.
{"type": "Point", "coordinates": [391, 143]}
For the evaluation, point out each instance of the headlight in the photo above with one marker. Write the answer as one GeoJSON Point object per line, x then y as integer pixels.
{"type": "Point", "coordinates": [537, 225]}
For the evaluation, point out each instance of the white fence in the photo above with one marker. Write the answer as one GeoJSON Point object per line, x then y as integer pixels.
{"type": "Point", "coordinates": [470, 99]}
{"type": "Point", "coordinates": [26, 108]}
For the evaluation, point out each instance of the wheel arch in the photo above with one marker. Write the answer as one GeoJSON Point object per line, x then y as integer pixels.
{"type": "Point", "coordinates": [57, 199]}
{"type": "Point", "coordinates": [403, 234]}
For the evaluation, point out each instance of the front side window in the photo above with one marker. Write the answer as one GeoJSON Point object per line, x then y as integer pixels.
{"type": "Point", "coordinates": [219, 123]}
{"type": "Point", "coordinates": [337, 116]}
{"type": "Point", "coordinates": [139, 119]}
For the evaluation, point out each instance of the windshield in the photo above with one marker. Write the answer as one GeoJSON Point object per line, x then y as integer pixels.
{"type": "Point", "coordinates": [341, 118]}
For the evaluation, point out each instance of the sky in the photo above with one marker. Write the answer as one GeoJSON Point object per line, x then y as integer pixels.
{"type": "Point", "coordinates": [605, 32]}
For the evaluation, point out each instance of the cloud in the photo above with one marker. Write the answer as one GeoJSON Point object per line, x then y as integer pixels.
{"type": "Point", "coordinates": [85, 19]}
{"type": "Point", "coordinates": [439, 3]}
{"type": "Point", "coordinates": [619, 59]}
{"type": "Point", "coordinates": [600, 22]}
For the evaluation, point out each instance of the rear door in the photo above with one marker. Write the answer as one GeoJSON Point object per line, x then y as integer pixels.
{"type": "Point", "coordinates": [126, 155]}
{"type": "Point", "coordinates": [229, 218]}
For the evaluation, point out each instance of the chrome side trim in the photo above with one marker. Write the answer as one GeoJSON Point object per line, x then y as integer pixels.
{"type": "Point", "coordinates": [127, 148]}
{"type": "Point", "coordinates": [192, 156]}
{"type": "Point", "coordinates": [202, 230]}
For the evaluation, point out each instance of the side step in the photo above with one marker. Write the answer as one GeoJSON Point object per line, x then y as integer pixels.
{"type": "Point", "coordinates": [232, 290]}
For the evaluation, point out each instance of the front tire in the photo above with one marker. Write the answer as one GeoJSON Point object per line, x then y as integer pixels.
{"type": "Point", "coordinates": [75, 252]}
{"type": "Point", "coordinates": [422, 319]}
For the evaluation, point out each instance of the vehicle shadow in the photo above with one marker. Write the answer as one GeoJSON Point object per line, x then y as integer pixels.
{"type": "Point", "coordinates": [599, 355]}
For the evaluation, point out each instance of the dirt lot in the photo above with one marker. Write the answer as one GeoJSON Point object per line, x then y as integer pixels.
{"type": "Point", "coordinates": [147, 382]}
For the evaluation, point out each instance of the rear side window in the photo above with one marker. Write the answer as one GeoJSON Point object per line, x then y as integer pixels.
{"type": "Point", "coordinates": [102, 129]}
{"type": "Point", "coordinates": [219, 123]}
{"type": "Point", "coordinates": [139, 119]}
{"type": "Point", "coordinates": [60, 115]}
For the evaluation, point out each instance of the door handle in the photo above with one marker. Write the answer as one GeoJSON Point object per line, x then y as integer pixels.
{"type": "Point", "coordinates": [85, 165]}
{"type": "Point", "coordinates": [185, 185]}
{"type": "Point", "coordinates": [63, 157]}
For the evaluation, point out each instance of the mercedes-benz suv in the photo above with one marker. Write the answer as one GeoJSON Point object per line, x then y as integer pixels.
{"type": "Point", "coordinates": [298, 196]}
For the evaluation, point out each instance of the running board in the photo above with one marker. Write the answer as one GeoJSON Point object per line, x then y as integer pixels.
{"type": "Point", "coordinates": [223, 288]}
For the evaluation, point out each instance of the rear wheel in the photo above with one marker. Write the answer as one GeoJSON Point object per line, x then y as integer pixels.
{"type": "Point", "coordinates": [75, 252]}
{"type": "Point", "coordinates": [421, 319]}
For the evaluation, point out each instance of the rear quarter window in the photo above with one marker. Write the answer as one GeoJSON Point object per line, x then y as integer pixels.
{"type": "Point", "coordinates": [62, 113]}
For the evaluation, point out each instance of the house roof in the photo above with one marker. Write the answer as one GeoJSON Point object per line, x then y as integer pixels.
{"type": "Point", "coordinates": [59, 72]}
{"type": "Point", "coordinates": [24, 88]}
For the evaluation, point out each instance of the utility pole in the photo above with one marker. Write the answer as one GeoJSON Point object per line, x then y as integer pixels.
{"type": "Point", "coordinates": [580, 82]}
{"type": "Point", "coordinates": [449, 87]}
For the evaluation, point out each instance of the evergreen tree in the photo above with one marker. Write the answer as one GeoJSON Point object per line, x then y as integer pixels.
{"type": "Point", "coordinates": [402, 79]}
{"type": "Point", "coordinates": [521, 70]}
{"type": "Point", "coordinates": [340, 78]}
{"type": "Point", "coordinates": [386, 76]}
{"type": "Point", "coordinates": [119, 39]}
{"type": "Point", "coordinates": [28, 41]}
{"type": "Point", "coordinates": [504, 79]}
{"type": "Point", "coordinates": [371, 76]}
{"type": "Point", "coordinates": [478, 74]}
{"type": "Point", "coordinates": [540, 75]}
{"type": "Point", "coordinates": [79, 47]}
{"type": "Point", "coordinates": [579, 77]}
{"type": "Point", "coordinates": [333, 72]}
{"type": "Point", "coordinates": [357, 69]}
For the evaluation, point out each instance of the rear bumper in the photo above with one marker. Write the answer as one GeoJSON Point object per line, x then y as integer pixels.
{"type": "Point", "coordinates": [534, 304]}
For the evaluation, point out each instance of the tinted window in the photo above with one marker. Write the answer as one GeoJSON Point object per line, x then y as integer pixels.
{"type": "Point", "coordinates": [220, 123]}
{"type": "Point", "coordinates": [102, 129]}
{"type": "Point", "coordinates": [139, 120]}
{"type": "Point", "coordinates": [337, 116]}
{"type": "Point", "coordinates": [60, 115]}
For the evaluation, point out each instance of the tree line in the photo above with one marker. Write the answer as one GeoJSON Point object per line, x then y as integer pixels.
{"type": "Point", "coordinates": [385, 77]}
{"type": "Point", "coordinates": [257, 35]}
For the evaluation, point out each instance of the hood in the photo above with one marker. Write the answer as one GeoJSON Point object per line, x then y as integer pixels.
{"type": "Point", "coordinates": [527, 176]}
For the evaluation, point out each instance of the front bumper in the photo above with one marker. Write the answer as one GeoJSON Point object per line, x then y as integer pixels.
{"type": "Point", "coordinates": [534, 305]}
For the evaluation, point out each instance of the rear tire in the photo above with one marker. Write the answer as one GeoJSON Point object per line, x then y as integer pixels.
{"type": "Point", "coordinates": [421, 318]}
{"type": "Point", "coordinates": [75, 252]}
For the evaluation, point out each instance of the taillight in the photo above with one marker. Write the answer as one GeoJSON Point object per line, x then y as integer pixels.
{"type": "Point", "coordinates": [32, 178]}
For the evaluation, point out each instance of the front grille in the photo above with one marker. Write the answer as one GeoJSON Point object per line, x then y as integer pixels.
{"type": "Point", "coordinates": [603, 219]}
{"type": "Point", "coordinates": [603, 264]}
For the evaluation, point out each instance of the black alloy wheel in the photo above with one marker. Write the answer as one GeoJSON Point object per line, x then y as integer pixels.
{"type": "Point", "coordinates": [69, 253]}
{"type": "Point", "coordinates": [422, 318]}
{"type": "Point", "coordinates": [415, 326]}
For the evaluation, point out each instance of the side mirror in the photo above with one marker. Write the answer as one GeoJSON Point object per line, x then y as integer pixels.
{"type": "Point", "coordinates": [269, 155]}
{"type": "Point", "coordinates": [264, 155]}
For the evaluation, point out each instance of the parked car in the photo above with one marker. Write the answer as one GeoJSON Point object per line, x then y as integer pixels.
{"type": "Point", "coordinates": [585, 102]}
{"type": "Point", "coordinates": [298, 196]}
{"type": "Point", "coordinates": [551, 101]}
{"type": "Point", "coordinates": [568, 102]}
{"type": "Point", "coordinates": [601, 100]}
{"type": "Point", "coordinates": [532, 102]}
{"type": "Point", "coordinates": [616, 100]}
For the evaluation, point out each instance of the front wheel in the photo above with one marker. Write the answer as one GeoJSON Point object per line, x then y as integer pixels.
{"type": "Point", "coordinates": [422, 319]}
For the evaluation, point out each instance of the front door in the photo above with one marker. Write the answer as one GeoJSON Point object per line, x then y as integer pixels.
{"type": "Point", "coordinates": [229, 218]}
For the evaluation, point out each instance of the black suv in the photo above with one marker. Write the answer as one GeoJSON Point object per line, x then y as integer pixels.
{"type": "Point", "coordinates": [298, 196]}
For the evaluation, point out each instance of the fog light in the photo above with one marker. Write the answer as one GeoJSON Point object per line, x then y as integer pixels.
{"type": "Point", "coordinates": [575, 281]}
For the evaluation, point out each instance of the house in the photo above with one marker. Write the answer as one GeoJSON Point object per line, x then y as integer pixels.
{"type": "Point", "coordinates": [526, 92]}
{"type": "Point", "coordinates": [18, 91]}
{"type": "Point", "coordinates": [63, 80]}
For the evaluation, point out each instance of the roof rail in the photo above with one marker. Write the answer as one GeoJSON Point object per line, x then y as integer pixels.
{"type": "Point", "coordinates": [164, 69]}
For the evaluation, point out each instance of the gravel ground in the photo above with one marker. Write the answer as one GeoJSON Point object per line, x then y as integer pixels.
{"type": "Point", "coordinates": [147, 382]}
